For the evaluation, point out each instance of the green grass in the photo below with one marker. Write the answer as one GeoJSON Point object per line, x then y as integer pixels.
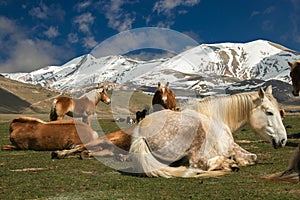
{"type": "Point", "coordinates": [90, 179]}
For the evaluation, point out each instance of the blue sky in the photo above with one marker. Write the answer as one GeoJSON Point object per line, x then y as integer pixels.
{"type": "Point", "coordinates": [36, 33]}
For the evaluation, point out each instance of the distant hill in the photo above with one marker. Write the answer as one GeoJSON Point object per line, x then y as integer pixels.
{"type": "Point", "coordinates": [18, 97]}
{"type": "Point", "coordinates": [23, 98]}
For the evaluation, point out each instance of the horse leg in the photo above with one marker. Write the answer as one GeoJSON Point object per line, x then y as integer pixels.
{"type": "Point", "coordinates": [67, 152]}
{"type": "Point", "coordinates": [8, 147]}
{"type": "Point", "coordinates": [222, 163]}
{"type": "Point", "coordinates": [243, 157]}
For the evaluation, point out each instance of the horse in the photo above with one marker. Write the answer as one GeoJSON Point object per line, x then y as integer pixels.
{"type": "Point", "coordinates": [164, 98]}
{"type": "Point", "coordinates": [83, 107]}
{"type": "Point", "coordinates": [295, 76]}
{"type": "Point", "coordinates": [202, 135]}
{"type": "Point", "coordinates": [140, 115]}
{"type": "Point", "coordinates": [292, 173]}
{"type": "Point", "coordinates": [27, 133]}
{"type": "Point", "coordinates": [107, 145]}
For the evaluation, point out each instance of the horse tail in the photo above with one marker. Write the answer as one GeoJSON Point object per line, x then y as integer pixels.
{"type": "Point", "coordinates": [53, 114]}
{"type": "Point", "coordinates": [145, 162]}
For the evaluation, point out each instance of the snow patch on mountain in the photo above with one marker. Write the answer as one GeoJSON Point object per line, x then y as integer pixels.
{"type": "Point", "coordinates": [203, 68]}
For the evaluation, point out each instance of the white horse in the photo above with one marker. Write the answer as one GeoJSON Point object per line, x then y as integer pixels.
{"type": "Point", "coordinates": [203, 135]}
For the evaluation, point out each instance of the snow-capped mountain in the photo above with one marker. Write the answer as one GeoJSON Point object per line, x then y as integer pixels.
{"type": "Point", "coordinates": [203, 68]}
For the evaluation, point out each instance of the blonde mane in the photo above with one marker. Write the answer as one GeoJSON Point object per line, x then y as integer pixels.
{"type": "Point", "coordinates": [233, 110]}
{"type": "Point", "coordinates": [94, 95]}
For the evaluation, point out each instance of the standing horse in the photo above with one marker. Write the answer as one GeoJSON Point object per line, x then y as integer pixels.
{"type": "Point", "coordinates": [295, 76]}
{"type": "Point", "coordinates": [203, 134]}
{"type": "Point", "coordinates": [84, 107]}
{"type": "Point", "coordinates": [28, 133]}
{"type": "Point", "coordinates": [164, 98]}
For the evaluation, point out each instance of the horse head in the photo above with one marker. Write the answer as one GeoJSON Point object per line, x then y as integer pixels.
{"type": "Point", "coordinates": [295, 76]}
{"type": "Point", "coordinates": [266, 118]}
{"type": "Point", "coordinates": [103, 95]}
{"type": "Point", "coordinates": [164, 96]}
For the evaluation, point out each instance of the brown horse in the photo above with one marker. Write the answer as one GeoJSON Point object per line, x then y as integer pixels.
{"type": "Point", "coordinates": [108, 145]}
{"type": "Point", "coordinates": [164, 98]}
{"type": "Point", "coordinates": [28, 133]}
{"type": "Point", "coordinates": [83, 107]}
{"type": "Point", "coordinates": [292, 174]}
{"type": "Point", "coordinates": [295, 76]}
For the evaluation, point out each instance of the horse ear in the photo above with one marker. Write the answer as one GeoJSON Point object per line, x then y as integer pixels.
{"type": "Point", "coordinates": [167, 84]}
{"type": "Point", "coordinates": [282, 113]}
{"type": "Point", "coordinates": [261, 93]}
{"type": "Point", "coordinates": [291, 64]}
{"type": "Point", "coordinates": [269, 89]}
{"type": "Point", "coordinates": [158, 84]}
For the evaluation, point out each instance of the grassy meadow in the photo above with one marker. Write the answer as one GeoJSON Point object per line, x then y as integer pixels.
{"type": "Point", "coordinates": [34, 175]}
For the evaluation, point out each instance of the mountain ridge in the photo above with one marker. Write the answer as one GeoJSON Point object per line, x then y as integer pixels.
{"type": "Point", "coordinates": [213, 66]}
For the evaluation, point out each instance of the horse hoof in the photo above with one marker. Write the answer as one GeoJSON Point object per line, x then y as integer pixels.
{"type": "Point", "coordinates": [235, 168]}
{"type": "Point", "coordinates": [54, 155]}
{"type": "Point", "coordinates": [84, 155]}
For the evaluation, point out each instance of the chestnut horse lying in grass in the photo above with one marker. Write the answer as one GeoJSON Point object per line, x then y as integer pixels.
{"type": "Point", "coordinates": [295, 76]}
{"type": "Point", "coordinates": [164, 98]}
{"type": "Point", "coordinates": [28, 133]}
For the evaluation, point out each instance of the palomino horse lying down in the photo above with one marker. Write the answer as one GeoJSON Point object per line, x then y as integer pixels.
{"type": "Point", "coordinates": [83, 107]}
{"type": "Point", "coordinates": [203, 135]}
{"type": "Point", "coordinates": [28, 133]}
{"type": "Point", "coordinates": [295, 76]}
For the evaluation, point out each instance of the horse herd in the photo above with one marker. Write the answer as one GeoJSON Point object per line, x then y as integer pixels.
{"type": "Point", "coordinates": [198, 137]}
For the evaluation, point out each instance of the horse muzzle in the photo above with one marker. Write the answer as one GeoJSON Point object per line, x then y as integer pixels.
{"type": "Point", "coordinates": [278, 144]}
{"type": "Point", "coordinates": [295, 93]}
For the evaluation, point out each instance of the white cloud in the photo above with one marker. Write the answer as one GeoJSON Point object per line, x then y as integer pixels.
{"type": "Point", "coordinates": [118, 18]}
{"type": "Point", "coordinates": [73, 37]}
{"type": "Point", "coordinates": [47, 12]}
{"type": "Point", "coordinates": [22, 53]}
{"type": "Point", "coordinates": [40, 11]}
{"type": "Point", "coordinates": [52, 32]}
{"type": "Point", "coordinates": [167, 6]}
{"type": "Point", "coordinates": [266, 11]}
{"type": "Point", "coordinates": [144, 38]}
{"type": "Point", "coordinates": [83, 5]}
{"type": "Point", "coordinates": [84, 22]}
{"type": "Point", "coordinates": [7, 26]}
{"type": "Point", "coordinates": [89, 42]}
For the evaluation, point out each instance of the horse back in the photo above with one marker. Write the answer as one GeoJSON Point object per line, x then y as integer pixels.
{"type": "Point", "coordinates": [55, 135]}
{"type": "Point", "coordinates": [84, 106]}
{"type": "Point", "coordinates": [121, 138]}
{"type": "Point", "coordinates": [61, 105]}
{"type": "Point", "coordinates": [63, 102]}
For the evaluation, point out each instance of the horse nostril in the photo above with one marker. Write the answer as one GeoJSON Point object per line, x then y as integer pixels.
{"type": "Point", "coordinates": [295, 93]}
{"type": "Point", "coordinates": [282, 141]}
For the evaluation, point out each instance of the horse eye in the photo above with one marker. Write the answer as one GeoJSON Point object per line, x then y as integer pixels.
{"type": "Point", "coordinates": [269, 113]}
